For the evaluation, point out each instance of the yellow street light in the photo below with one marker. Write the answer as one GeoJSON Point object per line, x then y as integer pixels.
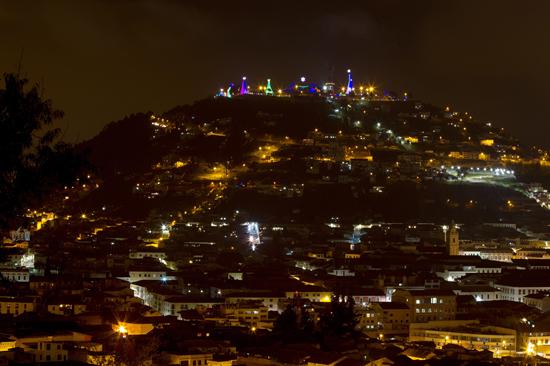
{"type": "Point", "coordinates": [122, 330]}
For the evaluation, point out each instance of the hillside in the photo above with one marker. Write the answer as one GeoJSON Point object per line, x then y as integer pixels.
{"type": "Point", "coordinates": [377, 159]}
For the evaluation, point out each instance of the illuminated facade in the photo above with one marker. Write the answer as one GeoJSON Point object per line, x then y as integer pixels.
{"type": "Point", "coordinates": [466, 333]}
{"type": "Point", "coordinates": [270, 301]}
{"type": "Point", "coordinates": [311, 295]}
{"type": "Point", "coordinates": [15, 275]}
{"type": "Point", "coordinates": [246, 313]}
{"type": "Point", "coordinates": [386, 318]}
{"type": "Point", "coordinates": [539, 300]}
{"type": "Point", "coordinates": [427, 305]}
{"type": "Point", "coordinates": [538, 342]}
{"type": "Point", "coordinates": [16, 305]}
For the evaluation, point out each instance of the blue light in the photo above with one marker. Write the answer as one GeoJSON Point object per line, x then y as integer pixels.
{"type": "Point", "coordinates": [349, 88]}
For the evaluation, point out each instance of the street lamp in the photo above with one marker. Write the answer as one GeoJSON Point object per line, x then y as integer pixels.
{"type": "Point", "coordinates": [530, 348]}
{"type": "Point", "coordinates": [121, 329]}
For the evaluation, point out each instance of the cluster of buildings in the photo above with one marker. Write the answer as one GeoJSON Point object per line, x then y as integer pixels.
{"type": "Point", "coordinates": [417, 292]}
{"type": "Point", "coordinates": [228, 266]}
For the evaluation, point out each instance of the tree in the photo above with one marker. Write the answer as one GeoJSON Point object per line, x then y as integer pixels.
{"type": "Point", "coordinates": [33, 162]}
{"type": "Point", "coordinates": [340, 317]}
{"type": "Point", "coordinates": [130, 351]}
{"type": "Point", "coordinates": [286, 322]}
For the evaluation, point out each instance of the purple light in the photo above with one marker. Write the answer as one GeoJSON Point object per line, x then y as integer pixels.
{"type": "Point", "coordinates": [244, 89]}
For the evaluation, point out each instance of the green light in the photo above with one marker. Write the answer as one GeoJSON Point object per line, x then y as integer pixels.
{"type": "Point", "coordinates": [268, 90]}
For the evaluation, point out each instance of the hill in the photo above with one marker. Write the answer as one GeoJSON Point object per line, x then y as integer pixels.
{"type": "Point", "coordinates": [310, 157]}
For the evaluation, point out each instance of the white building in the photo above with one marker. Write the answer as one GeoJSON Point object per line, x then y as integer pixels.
{"type": "Point", "coordinates": [173, 305]}
{"type": "Point", "coordinates": [492, 254]}
{"type": "Point", "coordinates": [270, 300]}
{"type": "Point", "coordinates": [539, 300]}
{"type": "Point", "coordinates": [15, 275]}
{"type": "Point", "coordinates": [341, 272]}
{"type": "Point", "coordinates": [311, 293]}
{"type": "Point", "coordinates": [466, 333]}
{"type": "Point", "coordinates": [452, 275]}
{"type": "Point", "coordinates": [516, 286]}
{"type": "Point", "coordinates": [147, 254]}
{"type": "Point", "coordinates": [480, 293]}
{"type": "Point", "coordinates": [145, 274]}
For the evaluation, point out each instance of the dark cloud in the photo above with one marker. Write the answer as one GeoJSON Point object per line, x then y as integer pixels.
{"type": "Point", "coordinates": [100, 60]}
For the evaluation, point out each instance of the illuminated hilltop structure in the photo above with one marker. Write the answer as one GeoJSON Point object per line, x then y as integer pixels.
{"type": "Point", "coordinates": [303, 87]}
{"type": "Point", "coordinates": [268, 89]}
{"type": "Point", "coordinates": [244, 87]}
{"type": "Point", "coordinates": [349, 88]}
{"type": "Point", "coordinates": [230, 90]}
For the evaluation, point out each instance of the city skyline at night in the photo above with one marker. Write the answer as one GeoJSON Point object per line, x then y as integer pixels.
{"type": "Point", "coordinates": [274, 184]}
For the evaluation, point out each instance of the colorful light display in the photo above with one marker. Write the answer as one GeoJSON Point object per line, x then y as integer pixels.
{"type": "Point", "coordinates": [268, 89]}
{"type": "Point", "coordinates": [229, 90]}
{"type": "Point", "coordinates": [349, 88]}
{"type": "Point", "coordinates": [244, 88]}
{"type": "Point", "coordinates": [302, 87]}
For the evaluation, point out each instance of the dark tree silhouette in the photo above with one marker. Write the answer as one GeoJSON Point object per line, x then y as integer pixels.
{"type": "Point", "coordinates": [341, 318]}
{"type": "Point", "coordinates": [287, 321]}
{"type": "Point", "coordinates": [33, 161]}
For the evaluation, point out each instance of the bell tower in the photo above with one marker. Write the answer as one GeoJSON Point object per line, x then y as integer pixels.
{"type": "Point", "coordinates": [452, 241]}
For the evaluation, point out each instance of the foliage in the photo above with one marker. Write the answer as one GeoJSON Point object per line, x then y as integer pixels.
{"type": "Point", "coordinates": [33, 162]}
{"type": "Point", "coordinates": [130, 351]}
{"type": "Point", "coordinates": [341, 318]}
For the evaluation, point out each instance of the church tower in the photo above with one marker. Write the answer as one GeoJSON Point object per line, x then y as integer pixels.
{"type": "Point", "coordinates": [452, 241]}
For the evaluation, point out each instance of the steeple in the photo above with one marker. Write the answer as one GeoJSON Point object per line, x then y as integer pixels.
{"type": "Point", "coordinates": [452, 241]}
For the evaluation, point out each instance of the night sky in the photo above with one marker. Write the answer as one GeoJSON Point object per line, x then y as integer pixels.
{"type": "Point", "coordinates": [101, 60]}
